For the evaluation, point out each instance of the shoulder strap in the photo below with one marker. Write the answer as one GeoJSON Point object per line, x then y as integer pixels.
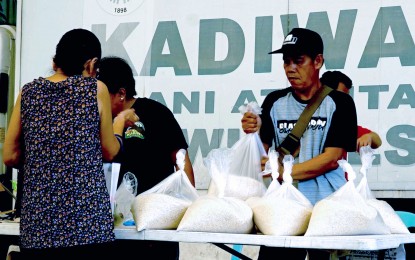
{"type": "Point", "coordinates": [292, 141]}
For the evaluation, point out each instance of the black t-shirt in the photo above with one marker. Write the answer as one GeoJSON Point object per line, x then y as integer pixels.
{"type": "Point", "coordinates": [150, 146]}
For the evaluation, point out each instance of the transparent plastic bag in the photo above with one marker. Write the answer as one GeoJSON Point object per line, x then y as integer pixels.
{"type": "Point", "coordinates": [389, 216]}
{"type": "Point", "coordinates": [124, 197]}
{"type": "Point", "coordinates": [282, 202]}
{"type": "Point", "coordinates": [163, 206]}
{"type": "Point", "coordinates": [274, 167]}
{"type": "Point", "coordinates": [218, 214]}
{"type": "Point", "coordinates": [217, 162]}
{"type": "Point", "coordinates": [236, 171]}
{"type": "Point", "coordinates": [345, 212]}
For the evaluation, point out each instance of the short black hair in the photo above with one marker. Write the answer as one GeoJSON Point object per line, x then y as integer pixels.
{"type": "Point", "coordinates": [74, 49]}
{"type": "Point", "coordinates": [333, 78]}
{"type": "Point", "coordinates": [116, 73]}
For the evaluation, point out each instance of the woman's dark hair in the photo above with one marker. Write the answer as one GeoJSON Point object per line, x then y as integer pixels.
{"type": "Point", "coordinates": [74, 49]}
{"type": "Point", "coordinates": [116, 73]}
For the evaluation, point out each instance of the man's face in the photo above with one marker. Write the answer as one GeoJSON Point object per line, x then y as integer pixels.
{"type": "Point", "coordinates": [301, 71]}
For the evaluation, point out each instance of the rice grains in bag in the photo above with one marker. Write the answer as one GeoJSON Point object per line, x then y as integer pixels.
{"type": "Point", "coordinates": [345, 213]}
{"type": "Point", "coordinates": [217, 212]}
{"type": "Point", "coordinates": [239, 166]}
{"type": "Point", "coordinates": [283, 210]}
{"type": "Point", "coordinates": [389, 216]}
{"type": "Point", "coordinates": [163, 206]}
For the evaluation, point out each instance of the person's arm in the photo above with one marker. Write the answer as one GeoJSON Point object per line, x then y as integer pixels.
{"type": "Point", "coordinates": [318, 165]}
{"type": "Point", "coordinates": [110, 144]}
{"type": "Point", "coordinates": [372, 139]}
{"type": "Point", "coordinates": [341, 137]}
{"type": "Point", "coordinates": [12, 149]}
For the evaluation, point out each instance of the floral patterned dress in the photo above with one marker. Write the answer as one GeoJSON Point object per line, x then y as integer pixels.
{"type": "Point", "coordinates": [65, 201]}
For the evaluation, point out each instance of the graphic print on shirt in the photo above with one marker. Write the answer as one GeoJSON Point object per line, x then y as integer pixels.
{"type": "Point", "coordinates": [316, 123]}
{"type": "Point", "coordinates": [135, 131]}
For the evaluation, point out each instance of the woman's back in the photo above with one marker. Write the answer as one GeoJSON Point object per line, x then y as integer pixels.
{"type": "Point", "coordinates": [65, 201]}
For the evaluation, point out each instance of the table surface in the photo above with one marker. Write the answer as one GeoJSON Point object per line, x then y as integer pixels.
{"type": "Point", "coordinates": [360, 242]}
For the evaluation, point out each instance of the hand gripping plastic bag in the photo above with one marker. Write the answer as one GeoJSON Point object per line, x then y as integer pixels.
{"type": "Point", "coordinates": [236, 171]}
{"type": "Point", "coordinates": [345, 212]}
{"type": "Point", "coordinates": [283, 210]}
{"type": "Point", "coordinates": [163, 206]}
{"type": "Point", "coordinates": [124, 197]}
{"type": "Point", "coordinates": [389, 216]}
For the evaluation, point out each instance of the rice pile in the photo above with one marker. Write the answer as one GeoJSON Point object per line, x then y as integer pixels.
{"type": "Point", "coordinates": [280, 216]}
{"type": "Point", "coordinates": [218, 214]}
{"type": "Point", "coordinates": [158, 211]}
{"type": "Point", "coordinates": [345, 218]}
{"type": "Point", "coordinates": [391, 219]}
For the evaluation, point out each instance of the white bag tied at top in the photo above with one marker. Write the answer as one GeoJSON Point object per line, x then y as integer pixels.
{"type": "Point", "coordinates": [238, 169]}
{"type": "Point", "coordinates": [271, 167]}
{"type": "Point", "coordinates": [163, 206]}
{"type": "Point", "coordinates": [389, 216]}
{"type": "Point", "coordinates": [283, 210]}
{"type": "Point", "coordinates": [223, 209]}
{"type": "Point", "coordinates": [273, 163]}
{"type": "Point", "coordinates": [345, 212]}
{"type": "Point", "coordinates": [216, 212]}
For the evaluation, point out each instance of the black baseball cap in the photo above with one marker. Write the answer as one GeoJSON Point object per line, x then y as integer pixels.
{"type": "Point", "coordinates": [300, 41]}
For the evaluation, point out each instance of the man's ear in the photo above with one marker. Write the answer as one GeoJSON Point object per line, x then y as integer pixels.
{"type": "Point", "coordinates": [319, 61]}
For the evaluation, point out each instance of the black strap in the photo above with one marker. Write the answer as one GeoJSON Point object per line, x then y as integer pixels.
{"type": "Point", "coordinates": [291, 143]}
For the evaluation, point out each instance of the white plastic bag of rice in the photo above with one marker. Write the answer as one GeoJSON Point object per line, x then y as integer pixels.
{"type": "Point", "coordinates": [283, 210]}
{"type": "Point", "coordinates": [239, 187]}
{"type": "Point", "coordinates": [158, 211]}
{"type": "Point", "coordinates": [163, 206]}
{"type": "Point", "coordinates": [281, 216]}
{"type": "Point", "coordinates": [236, 171]}
{"type": "Point", "coordinates": [218, 214]}
{"type": "Point", "coordinates": [392, 220]}
{"type": "Point", "coordinates": [345, 213]}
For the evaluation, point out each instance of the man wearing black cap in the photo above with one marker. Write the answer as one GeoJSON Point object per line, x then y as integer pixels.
{"type": "Point", "coordinates": [331, 132]}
